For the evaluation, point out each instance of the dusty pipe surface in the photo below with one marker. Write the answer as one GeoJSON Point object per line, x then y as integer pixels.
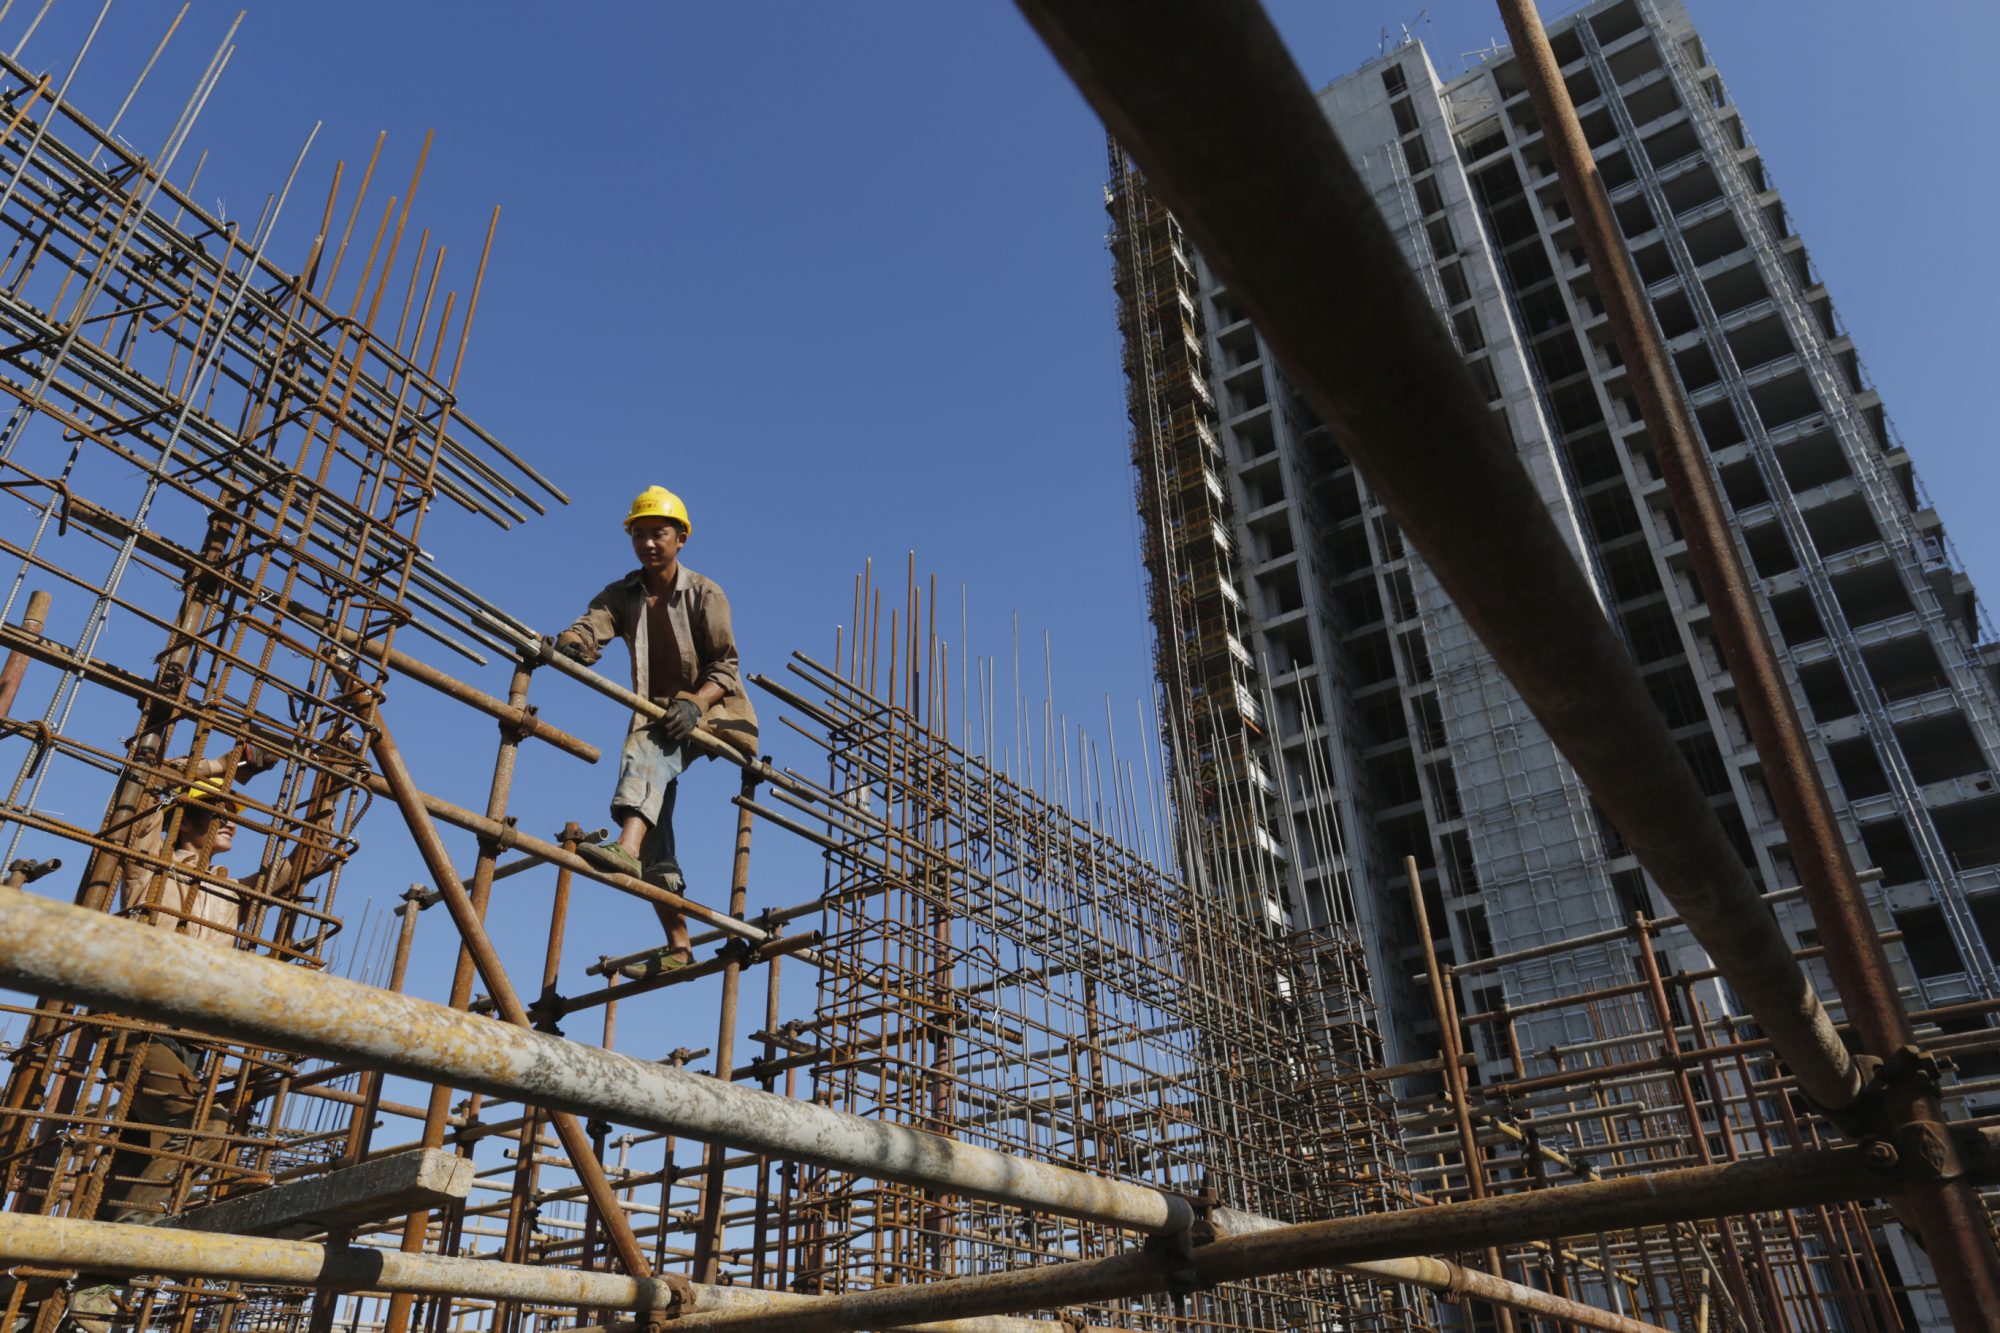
{"type": "Point", "coordinates": [1444, 1276]}
{"type": "Point", "coordinates": [75, 954]}
{"type": "Point", "coordinates": [1799, 1179]}
{"type": "Point", "coordinates": [67, 1242]}
{"type": "Point", "coordinates": [1253, 171]}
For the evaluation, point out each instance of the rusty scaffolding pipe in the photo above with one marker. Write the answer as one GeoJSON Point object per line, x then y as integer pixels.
{"type": "Point", "coordinates": [486, 959]}
{"type": "Point", "coordinates": [111, 1247]}
{"type": "Point", "coordinates": [1948, 1215]}
{"type": "Point", "coordinates": [90, 958]}
{"type": "Point", "coordinates": [126, 967]}
{"type": "Point", "coordinates": [1255, 174]}
{"type": "Point", "coordinates": [1454, 1072]}
{"type": "Point", "coordinates": [506, 835]}
{"type": "Point", "coordinates": [1347, 1243]}
{"type": "Point", "coordinates": [520, 717]}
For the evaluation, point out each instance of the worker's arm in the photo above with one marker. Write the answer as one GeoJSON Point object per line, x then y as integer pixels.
{"type": "Point", "coordinates": [307, 860]}
{"type": "Point", "coordinates": [585, 639]}
{"type": "Point", "coordinates": [146, 839]}
{"type": "Point", "coordinates": [715, 655]}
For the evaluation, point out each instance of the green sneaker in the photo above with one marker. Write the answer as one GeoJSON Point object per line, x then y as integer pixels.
{"type": "Point", "coordinates": [610, 858]}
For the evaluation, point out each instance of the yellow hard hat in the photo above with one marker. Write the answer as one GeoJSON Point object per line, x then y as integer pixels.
{"type": "Point", "coordinates": [213, 794]}
{"type": "Point", "coordinates": [659, 502]}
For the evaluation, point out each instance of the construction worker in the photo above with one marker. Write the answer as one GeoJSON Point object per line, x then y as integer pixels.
{"type": "Point", "coordinates": [188, 894]}
{"type": "Point", "coordinates": [193, 898]}
{"type": "Point", "coordinates": [677, 627]}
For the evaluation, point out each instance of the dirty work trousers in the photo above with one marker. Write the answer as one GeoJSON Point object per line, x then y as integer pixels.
{"type": "Point", "coordinates": [158, 1145]}
{"type": "Point", "coordinates": [648, 767]}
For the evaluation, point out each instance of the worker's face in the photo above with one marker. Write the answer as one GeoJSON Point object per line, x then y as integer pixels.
{"type": "Point", "coordinates": [657, 543]}
{"type": "Point", "coordinates": [218, 831]}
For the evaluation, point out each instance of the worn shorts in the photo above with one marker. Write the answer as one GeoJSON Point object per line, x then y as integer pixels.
{"type": "Point", "coordinates": [648, 767]}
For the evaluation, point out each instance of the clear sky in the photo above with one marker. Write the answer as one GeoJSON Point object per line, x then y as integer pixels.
{"type": "Point", "coordinates": [836, 274]}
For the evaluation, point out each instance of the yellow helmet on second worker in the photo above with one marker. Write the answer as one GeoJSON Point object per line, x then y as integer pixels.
{"type": "Point", "coordinates": [659, 502]}
{"type": "Point", "coordinates": [214, 796]}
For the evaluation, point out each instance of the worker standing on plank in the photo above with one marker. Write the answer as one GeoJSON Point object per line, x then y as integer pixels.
{"type": "Point", "coordinates": [677, 626]}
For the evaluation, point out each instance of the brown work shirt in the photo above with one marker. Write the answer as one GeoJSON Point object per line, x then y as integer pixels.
{"type": "Point", "coordinates": [697, 647]}
{"type": "Point", "coordinates": [177, 900]}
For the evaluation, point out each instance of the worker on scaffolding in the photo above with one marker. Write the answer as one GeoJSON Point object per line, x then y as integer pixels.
{"type": "Point", "coordinates": [174, 884]}
{"type": "Point", "coordinates": [168, 878]}
{"type": "Point", "coordinates": [677, 626]}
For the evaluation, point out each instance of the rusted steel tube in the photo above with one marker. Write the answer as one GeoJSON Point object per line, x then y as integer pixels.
{"type": "Point", "coordinates": [96, 959]}
{"type": "Point", "coordinates": [1259, 1249]}
{"type": "Point", "coordinates": [16, 666]}
{"type": "Point", "coordinates": [707, 1263]}
{"type": "Point", "coordinates": [506, 835]}
{"type": "Point", "coordinates": [643, 982]}
{"type": "Point", "coordinates": [1949, 1217]}
{"type": "Point", "coordinates": [67, 1243]}
{"type": "Point", "coordinates": [1254, 173]}
{"type": "Point", "coordinates": [1453, 1071]}
{"type": "Point", "coordinates": [523, 720]}
{"type": "Point", "coordinates": [1444, 1276]}
{"type": "Point", "coordinates": [582, 1158]}
{"type": "Point", "coordinates": [60, 1242]}
{"type": "Point", "coordinates": [701, 738]}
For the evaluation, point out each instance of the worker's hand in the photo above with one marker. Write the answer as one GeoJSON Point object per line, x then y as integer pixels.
{"type": "Point", "coordinates": [571, 646]}
{"type": "Point", "coordinates": [683, 716]}
{"type": "Point", "coordinates": [254, 759]}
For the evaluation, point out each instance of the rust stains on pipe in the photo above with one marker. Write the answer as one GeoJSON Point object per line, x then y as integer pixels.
{"type": "Point", "coordinates": [1254, 173]}
{"type": "Point", "coordinates": [69, 1243]}
{"type": "Point", "coordinates": [16, 666]}
{"type": "Point", "coordinates": [523, 720]}
{"type": "Point", "coordinates": [81, 955]}
{"type": "Point", "coordinates": [1350, 1242]}
{"type": "Point", "coordinates": [582, 1157]}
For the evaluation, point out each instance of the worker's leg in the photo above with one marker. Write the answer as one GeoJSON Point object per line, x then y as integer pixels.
{"type": "Point", "coordinates": [642, 804]}
{"type": "Point", "coordinates": [164, 1101]}
{"type": "Point", "coordinates": [656, 853]}
{"type": "Point", "coordinates": [656, 850]}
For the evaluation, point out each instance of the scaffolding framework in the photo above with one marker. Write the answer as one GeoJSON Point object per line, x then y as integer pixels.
{"type": "Point", "coordinates": [1061, 1053]}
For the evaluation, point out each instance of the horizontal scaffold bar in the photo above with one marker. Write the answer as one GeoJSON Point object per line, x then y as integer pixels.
{"type": "Point", "coordinates": [87, 957]}
{"type": "Point", "coordinates": [55, 949]}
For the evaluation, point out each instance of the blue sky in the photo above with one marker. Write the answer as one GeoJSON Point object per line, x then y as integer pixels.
{"type": "Point", "coordinates": [836, 274]}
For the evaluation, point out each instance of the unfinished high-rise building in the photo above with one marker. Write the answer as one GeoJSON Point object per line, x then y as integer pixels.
{"type": "Point", "coordinates": [1329, 710]}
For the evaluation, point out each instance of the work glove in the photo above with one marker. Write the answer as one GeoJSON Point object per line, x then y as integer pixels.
{"type": "Point", "coordinates": [683, 716]}
{"type": "Point", "coordinates": [254, 759]}
{"type": "Point", "coordinates": [572, 647]}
